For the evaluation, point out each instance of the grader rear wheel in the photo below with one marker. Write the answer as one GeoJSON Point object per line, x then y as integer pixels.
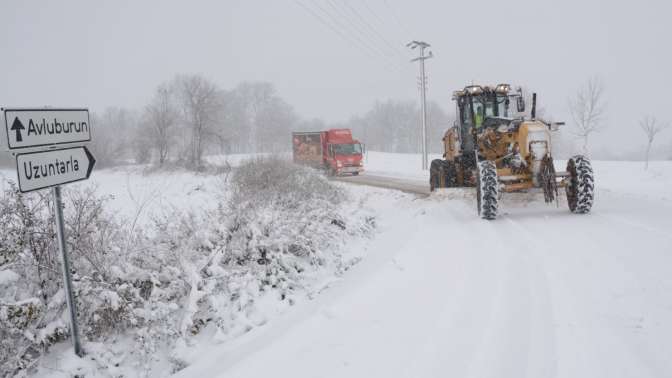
{"type": "Point", "coordinates": [442, 174]}
{"type": "Point", "coordinates": [581, 186]}
{"type": "Point", "coordinates": [434, 174]}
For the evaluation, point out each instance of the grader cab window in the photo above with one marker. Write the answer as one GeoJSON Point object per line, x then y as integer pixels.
{"type": "Point", "coordinates": [493, 106]}
{"type": "Point", "coordinates": [482, 107]}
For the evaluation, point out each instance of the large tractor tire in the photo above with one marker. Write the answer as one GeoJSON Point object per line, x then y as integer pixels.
{"type": "Point", "coordinates": [434, 174]}
{"type": "Point", "coordinates": [581, 186]}
{"type": "Point", "coordinates": [487, 189]}
{"type": "Point", "coordinates": [442, 174]}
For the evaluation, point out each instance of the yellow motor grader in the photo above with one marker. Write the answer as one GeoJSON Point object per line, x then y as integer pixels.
{"type": "Point", "coordinates": [496, 149]}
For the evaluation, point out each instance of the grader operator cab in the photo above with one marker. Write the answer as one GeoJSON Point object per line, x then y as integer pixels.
{"type": "Point", "coordinates": [496, 149]}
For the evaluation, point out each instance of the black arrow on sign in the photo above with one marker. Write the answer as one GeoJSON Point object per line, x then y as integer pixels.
{"type": "Point", "coordinates": [18, 126]}
{"type": "Point", "coordinates": [92, 162]}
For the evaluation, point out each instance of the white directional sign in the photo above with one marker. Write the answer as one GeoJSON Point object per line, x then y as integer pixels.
{"type": "Point", "coordinates": [39, 170]}
{"type": "Point", "coordinates": [46, 127]}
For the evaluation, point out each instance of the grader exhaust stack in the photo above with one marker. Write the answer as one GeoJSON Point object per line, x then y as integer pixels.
{"type": "Point", "coordinates": [497, 150]}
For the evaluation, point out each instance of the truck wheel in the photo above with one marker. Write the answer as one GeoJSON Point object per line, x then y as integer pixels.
{"type": "Point", "coordinates": [581, 186]}
{"type": "Point", "coordinates": [355, 173]}
{"type": "Point", "coordinates": [487, 189]}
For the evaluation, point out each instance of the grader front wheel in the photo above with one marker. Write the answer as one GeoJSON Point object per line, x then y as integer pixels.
{"type": "Point", "coordinates": [487, 190]}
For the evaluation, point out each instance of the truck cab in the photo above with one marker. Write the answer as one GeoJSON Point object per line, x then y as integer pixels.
{"type": "Point", "coordinates": [343, 154]}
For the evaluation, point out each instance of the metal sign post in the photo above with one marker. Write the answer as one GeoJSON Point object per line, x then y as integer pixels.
{"type": "Point", "coordinates": [67, 279]}
{"type": "Point", "coordinates": [38, 131]}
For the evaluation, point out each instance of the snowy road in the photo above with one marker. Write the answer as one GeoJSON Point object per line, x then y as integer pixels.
{"type": "Point", "coordinates": [407, 185]}
{"type": "Point", "coordinates": [539, 292]}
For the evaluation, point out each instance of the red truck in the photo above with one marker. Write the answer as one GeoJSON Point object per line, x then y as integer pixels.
{"type": "Point", "coordinates": [333, 150]}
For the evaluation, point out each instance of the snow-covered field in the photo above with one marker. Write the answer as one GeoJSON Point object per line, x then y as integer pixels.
{"type": "Point", "coordinates": [539, 292]}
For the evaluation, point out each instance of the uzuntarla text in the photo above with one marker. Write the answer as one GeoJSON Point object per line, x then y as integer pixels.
{"type": "Point", "coordinates": [57, 167]}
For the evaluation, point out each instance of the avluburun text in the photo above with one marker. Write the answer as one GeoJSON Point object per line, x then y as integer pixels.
{"type": "Point", "coordinates": [56, 127]}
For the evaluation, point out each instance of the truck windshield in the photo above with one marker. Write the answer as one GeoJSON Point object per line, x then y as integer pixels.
{"type": "Point", "coordinates": [347, 149]}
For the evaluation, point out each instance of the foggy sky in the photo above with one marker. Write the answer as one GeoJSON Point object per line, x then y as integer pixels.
{"type": "Point", "coordinates": [114, 53]}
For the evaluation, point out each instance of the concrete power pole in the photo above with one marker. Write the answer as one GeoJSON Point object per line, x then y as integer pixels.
{"type": "Point", "coordinates": [423, 93]}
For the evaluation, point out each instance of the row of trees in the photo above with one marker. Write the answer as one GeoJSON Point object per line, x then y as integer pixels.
{"type": "Point", "coordinates": [394, 126]}
{"type": "Point", "coordinates": [190, 116]}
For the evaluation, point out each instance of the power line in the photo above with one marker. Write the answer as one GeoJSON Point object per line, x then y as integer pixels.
{"type": "Point", "coordinates": [396, 18]}
{"type": "Point", "coordinates": [375, 15]}
{"type": "Point", "coordinates": [394, 48]}
{"type": "Point", "coordinates": [372, 45]}
{"type": "Point", "coordinates": [356, 23]}
{"type": "Point", "coordinates": [337, 31]}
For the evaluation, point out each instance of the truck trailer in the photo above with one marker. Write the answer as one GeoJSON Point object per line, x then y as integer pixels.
{"type": "Point", "coordinates": [333, 150]}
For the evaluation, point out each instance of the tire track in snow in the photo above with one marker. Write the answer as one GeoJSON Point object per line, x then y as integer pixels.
{"type": "Point", "coordinates": [499, 323]}
{"type": "Point", "coordinates": [588, 345]}
{"type": "Point", "coordinates": [450, 344]}
{"type": "Point", "coordinates": [520, 340]}
{"type": "Point", "coordinates": [621, 220]}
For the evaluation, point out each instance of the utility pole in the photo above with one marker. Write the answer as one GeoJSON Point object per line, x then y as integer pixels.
{"type": "Point", "coordinates": [423, 93]}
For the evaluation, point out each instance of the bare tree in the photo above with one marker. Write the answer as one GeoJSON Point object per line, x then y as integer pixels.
{"type": "Point", "coordinates": [253, 98]}
{"type": "Point", "coordinates": [200, 105]}
{"type": "Point", "coordinates": [651, 128]}
{"type": "Point", "coordinates": [587, 109]}
{"type": "Point", "coordinates": [161, 117]}
{"type": "Point", "coordinates": [111, 137]}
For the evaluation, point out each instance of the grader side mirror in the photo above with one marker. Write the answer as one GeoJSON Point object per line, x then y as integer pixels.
{"type": "Point", "coordinates": [520, 104]}
{"type": "Point", "coordinates": [555, 126]}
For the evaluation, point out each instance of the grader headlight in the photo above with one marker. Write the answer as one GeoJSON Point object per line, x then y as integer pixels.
{"type": "Point", "coordinates": [474, 89]}
{"type": "Point", "coordinates": [503, 88]}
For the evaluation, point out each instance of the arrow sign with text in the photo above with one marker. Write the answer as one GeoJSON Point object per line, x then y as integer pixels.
{"type": "Point", "coordinates": [28, 128]}
{"type": "Point", "coordinates": [39, 170]}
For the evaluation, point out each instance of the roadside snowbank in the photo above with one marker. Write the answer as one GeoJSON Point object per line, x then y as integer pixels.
{"type": "Point", "coordinates": [196, 272]}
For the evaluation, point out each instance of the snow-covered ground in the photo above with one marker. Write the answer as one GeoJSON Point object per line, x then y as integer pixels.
{"type": "Point", "coordinates": [539, 292]}
{"type": "Point", "coordinates": [614, 177]}
{"type": "Point", "coordinates": [142, 192]}
{"type": "Point", "coordinates": [396, 165]}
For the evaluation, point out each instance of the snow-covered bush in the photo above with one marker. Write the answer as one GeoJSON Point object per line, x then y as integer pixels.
{"type": "Point", "coordinates": [28, 268]}
{"type": "Point", "coordinates": [284, 227]}
{"type": "Point", "coordinates": [274, 241]}
{"type": "Point", "coordinates": [279, 208]}
{"type": "Point", "coordinates": [279, 233]}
